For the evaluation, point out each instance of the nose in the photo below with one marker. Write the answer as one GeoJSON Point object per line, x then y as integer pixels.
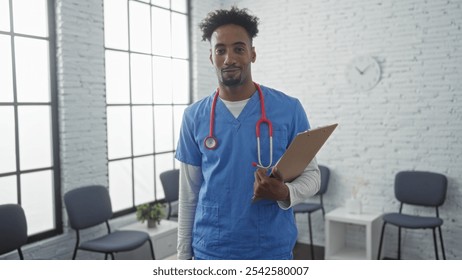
{"type": "Point", "coordinates": [230, 59]}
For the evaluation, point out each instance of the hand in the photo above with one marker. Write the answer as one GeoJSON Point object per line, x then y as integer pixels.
{"type": "Point", "coordinates": [268, 187]}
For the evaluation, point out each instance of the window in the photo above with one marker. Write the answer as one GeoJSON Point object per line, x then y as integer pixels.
{"type": "Point", "coordinates": [147, 90]}
{"type": "Point", "coordinates": [29, 167]}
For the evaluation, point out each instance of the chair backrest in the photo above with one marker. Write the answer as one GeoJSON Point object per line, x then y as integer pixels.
{"type": "Point", "coordinates": [88, 206]}
{"type": "Point", "coordinates": [13, 228]}
{"type": "Point", "coordinates": [171, 184]}
{"type": "Point", "coordinates": [325, 174]}
{"type": "Point", "coordinates": [420, 188]}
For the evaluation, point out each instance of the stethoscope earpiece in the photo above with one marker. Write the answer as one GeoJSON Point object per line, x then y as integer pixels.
{"type": "Point", "coordinates": [211, 143]}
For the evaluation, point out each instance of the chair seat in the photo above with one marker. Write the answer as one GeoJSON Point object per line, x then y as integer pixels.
{"type": "Point", "coordinates": [408, 221]}
{"type": "Point", "coordinates": [306, 207]}
{"type": "Point", "coordinates": [117, 241]}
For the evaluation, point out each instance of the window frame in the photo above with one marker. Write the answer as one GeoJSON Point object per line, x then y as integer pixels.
{"type": "Point", "coordinates": [131, 105]}
{"type": "Point", "coordinates": [57, 228]}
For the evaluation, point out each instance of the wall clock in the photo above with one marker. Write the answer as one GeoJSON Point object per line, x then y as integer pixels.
{"type": "Point", "coordinates": [363, 72]}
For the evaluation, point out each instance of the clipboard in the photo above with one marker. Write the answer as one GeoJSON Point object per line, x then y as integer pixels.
{"type": "Point", "coordinates": [302, 150]}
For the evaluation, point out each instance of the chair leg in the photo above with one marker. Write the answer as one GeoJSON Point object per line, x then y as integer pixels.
{"type": "Point", "coordinates": [311, 236]}
{"type": "Point", "coordinates": [74, 255]}
{"type": "Point", "coordinates": [435, 244]}
{"type": "Point", "coordinates": [21, 256]}
{"type": "Point", "coordinates": [152, 249]}
{"type": "Point", "coordinates": [105, 256]}
{"type": "Point", "coordinates": [399, 243]}
{"type": "Point", "coordinates": [169, 211]}
{"type": "Point", "coordinates": [442, 244]}
{"type": "Point", "coordinates": [381, 240]}
{"type": "Point", "coordinates": [112, 255]}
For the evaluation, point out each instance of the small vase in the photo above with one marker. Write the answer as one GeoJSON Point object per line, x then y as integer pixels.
{"type": "Point", "coordinates": [152, 223]}
{"type": "Point", "coordinates": [353, 206]}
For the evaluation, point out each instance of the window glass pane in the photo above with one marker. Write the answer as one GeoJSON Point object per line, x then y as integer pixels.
{"type": "Point", "coordinates": [117, 78]}
{"type": "Point", "coordinates": [6, 78]}
{"type": "Point", "coordinates": [177, 119]}
{"type": "Point", "coordinates": [30, 17]}
{"type": "Point", "coordinates": [32, 70]}
{"type": "Point", "coordinates": [144, 179]}
{"type": "Point", "coordinates": [158, 79]}
{"type": "Point", "coordinates": [7, 140]}
{"type": "Point", "coordinates": [141, 79]}
{"type": "Point", "coordinates": [162, 3]}
{"type": "Point", "coordinates": [116, 24]}
{"type": "Point", "coordinates": [37, 200]}
{"type": "Point", "coordinates": [163, 126]}
{"type": "Point", "coordinates": [181, 84]}
{"type": "Point", "coordinates": [162, 80]}
{"type": "Point", "coordinates": [164, 162]}
{"type": "Point", "coordinates": [120, 182]}
{"type": "Point", "coordinates": [34, 137]}
{"type": "Point", "coordinates": [180, 6]}
{"type": "Point", "coordinates": [161, 41]}
{"type": "Point", "coordinates": [140, 33]}
{"type": "Point", "coordinates": [118, 130]}
{"type": "Point", "coordinates": [179, 36]}
{"type": "Point", "coordinates": [8, 190]}
{"type": "Point", "coordinates": [4, 15]}
{"type": "Point", "coordinates": [142, 130]}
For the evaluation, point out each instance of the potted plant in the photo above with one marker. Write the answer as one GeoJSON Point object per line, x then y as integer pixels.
{"type": "Point", "coordinates": [150, 212]}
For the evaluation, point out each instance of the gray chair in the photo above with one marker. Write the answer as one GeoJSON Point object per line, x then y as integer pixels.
{"type": "Point", "coordinates": [313, 207]}
{"type": "Point", "coordinates": [171, 183]}
{"type": "Point", "coordinates": [417, 188]}
{"type": "Point", "coordinates": [91, 206]}
{"type": "Point", "coordinates": [13, 229]}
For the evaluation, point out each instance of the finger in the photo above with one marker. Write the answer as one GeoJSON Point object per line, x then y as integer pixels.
{"type": "Point", "coordinates": [260, 173]}
{"type": "Point", "coordinates": [255, 174]}
{"type": "Point", "coordinates": [276, 174]}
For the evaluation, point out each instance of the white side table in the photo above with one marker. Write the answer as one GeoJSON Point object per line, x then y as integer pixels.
{"type": "Point", "coordinates": [336, 222]}
{"type": "Point", "coordinates": [164, 241]}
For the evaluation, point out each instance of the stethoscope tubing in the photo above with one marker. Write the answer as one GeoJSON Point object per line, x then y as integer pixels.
{"type": "Point", "coordinates": [211, 143]}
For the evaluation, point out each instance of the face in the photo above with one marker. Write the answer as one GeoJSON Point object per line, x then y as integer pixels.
{"type": "Point", "coordinates": [232, 55]}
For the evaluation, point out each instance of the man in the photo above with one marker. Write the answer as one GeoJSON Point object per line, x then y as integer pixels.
{"type": "Point", "coordinates": [229, 206]}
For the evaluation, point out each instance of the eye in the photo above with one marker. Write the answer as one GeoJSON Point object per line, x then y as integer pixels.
{"type": "Point", "coordinates": [220, 51]}
{"type": "Point", "coordinates": [240, 49]}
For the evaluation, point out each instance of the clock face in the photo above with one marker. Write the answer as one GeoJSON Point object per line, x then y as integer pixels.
{"type": "Point", "coordinates": [363, 72]}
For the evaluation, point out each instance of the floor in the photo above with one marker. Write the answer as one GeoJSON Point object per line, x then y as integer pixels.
{"type": "Point", "coordinates": [301, 252]}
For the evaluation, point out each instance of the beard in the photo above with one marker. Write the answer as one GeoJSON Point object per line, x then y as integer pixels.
{"type": "Point", "coordinates": [231, 82]}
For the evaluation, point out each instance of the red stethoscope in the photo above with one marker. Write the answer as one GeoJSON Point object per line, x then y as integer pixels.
{"type": "Point", "coordinates": [211, 143]}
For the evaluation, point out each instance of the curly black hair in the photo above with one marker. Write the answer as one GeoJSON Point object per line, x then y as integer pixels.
{"type": "Point", "coordinates": [236, 16]}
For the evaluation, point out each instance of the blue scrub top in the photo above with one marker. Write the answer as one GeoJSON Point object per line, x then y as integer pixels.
{"type": "Point", "coordinates": [227, 225]}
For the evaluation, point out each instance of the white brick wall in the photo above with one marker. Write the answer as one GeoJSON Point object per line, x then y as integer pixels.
{"type": "Point", "coordinates": [411, 120]}
{"type": "Point", "coordinates": [203, 75]}
{"type": "Point", "coordinates": [82, 98]}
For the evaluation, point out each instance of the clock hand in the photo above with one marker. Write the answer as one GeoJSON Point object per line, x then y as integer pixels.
{"type": "Point", "coordinates": [367, 67]}
{"type": "Point", "coordinates": [360, 72]}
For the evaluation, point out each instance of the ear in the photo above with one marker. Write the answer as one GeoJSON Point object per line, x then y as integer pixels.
{"type": "Point", "coordinates": [254, 55]}
{"type": "Point", "coordinates": [210, 56]}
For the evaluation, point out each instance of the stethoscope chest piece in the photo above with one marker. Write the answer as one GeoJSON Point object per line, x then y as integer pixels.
{"type": "Point", "coordinates": [210, 143]}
